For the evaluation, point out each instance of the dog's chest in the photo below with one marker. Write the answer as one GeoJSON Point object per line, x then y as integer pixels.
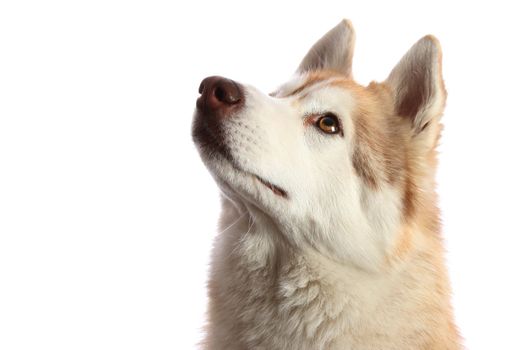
{"type": "Point", "coordinates": [263, 298]}
{"type": "Point", "coordinates": [295, 304]}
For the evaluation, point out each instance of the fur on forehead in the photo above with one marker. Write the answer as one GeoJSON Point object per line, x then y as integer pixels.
{"type": "Point", "coordinates": [301, 81]}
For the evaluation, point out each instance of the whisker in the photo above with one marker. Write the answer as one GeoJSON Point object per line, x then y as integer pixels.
{"type": "Point", "coordinates": [234, 223]}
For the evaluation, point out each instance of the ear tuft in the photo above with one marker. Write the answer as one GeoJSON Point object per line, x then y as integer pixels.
{"type": "Point", "coordinates": [417, 84]}
{"type": "Point", "coordinates": [334, 51]}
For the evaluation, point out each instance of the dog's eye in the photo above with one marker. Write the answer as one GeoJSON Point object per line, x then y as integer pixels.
{"type": "Point", "coordinates": [328, 123]}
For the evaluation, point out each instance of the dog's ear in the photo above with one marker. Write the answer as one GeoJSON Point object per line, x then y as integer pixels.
{"type": "Point", "coordinates": [417, 87]}
{"type": "Point", "coordinates": [334, 51]}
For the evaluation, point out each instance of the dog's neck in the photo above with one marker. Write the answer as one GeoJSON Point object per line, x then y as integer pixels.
{"type": "Point", "coordinates": [305, 292]}
{"type": "Point", "coordinates": [258, 242]}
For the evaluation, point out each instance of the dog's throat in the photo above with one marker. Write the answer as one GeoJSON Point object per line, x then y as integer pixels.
{"type": "Point", "coordinates": [275, 189]}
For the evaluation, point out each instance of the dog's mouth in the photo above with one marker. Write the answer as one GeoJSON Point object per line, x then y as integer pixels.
{"type": "Point", "coordinates": [212, 144]}
{"type": "Point", "coordinates": [274, 188]}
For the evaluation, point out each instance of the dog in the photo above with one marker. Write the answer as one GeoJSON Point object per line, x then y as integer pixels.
{"type": "Point", "coordinates": [330, 231]}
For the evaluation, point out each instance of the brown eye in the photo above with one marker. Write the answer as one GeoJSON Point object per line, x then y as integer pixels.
{"type": "Point", "coordinates": [328, 123]}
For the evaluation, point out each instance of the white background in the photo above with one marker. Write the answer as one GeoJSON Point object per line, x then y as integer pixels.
{"type": "Point", "coordinates": [107, 214]}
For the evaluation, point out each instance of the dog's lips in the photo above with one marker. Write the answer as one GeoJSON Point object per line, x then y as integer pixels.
{"type": "Point", "coordinates": [274, 188]}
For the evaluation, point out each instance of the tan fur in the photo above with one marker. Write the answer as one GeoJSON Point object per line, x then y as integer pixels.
{"type": "Point", "coordinates": [267, 293]}
{"type": "Point", "coordinates": [314, 77]}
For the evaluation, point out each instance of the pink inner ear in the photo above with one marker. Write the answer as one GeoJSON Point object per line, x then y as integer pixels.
{"type": "Point", "coordinates": [417, 83]}
{"type": "Point", "coordinates": [416, 91]}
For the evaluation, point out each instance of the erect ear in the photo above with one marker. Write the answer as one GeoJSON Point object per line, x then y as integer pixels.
{"type": "Point", "coordinates": [417, 86]}
{"type": "Point", "coordinates": [334, 51]}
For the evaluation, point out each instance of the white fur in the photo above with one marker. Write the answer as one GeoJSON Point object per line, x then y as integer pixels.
{"type": "Point", "coordinates": [309, 271]}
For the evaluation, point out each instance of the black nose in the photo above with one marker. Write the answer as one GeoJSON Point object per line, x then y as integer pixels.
{"type": "Point", "coordinates": [219, 95]}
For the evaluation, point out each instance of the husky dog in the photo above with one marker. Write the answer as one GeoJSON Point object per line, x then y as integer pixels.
{"type": "Point", "coordinates": [330, 233]}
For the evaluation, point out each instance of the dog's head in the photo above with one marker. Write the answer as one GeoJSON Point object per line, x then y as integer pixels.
{"type": "Point", "coordinates": [337, 166]}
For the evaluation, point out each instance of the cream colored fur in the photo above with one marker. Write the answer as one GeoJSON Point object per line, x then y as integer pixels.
{"type": "Point", "coordinates": [353, 258]}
